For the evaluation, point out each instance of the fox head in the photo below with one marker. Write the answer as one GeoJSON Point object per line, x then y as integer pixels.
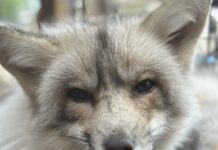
{"type": "Point", "coordinates": [121, 84]}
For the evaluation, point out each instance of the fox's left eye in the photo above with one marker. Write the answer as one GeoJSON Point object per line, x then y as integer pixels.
{"type": "Point", "coordinates": [79, 95]}
{"type": "Point", "coordinates": [144, 86]}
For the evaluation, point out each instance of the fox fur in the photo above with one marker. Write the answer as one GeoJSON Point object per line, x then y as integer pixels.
{"type": "Point", "coordinates": [108, 60]}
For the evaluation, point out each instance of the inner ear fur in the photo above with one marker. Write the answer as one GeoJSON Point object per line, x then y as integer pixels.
{"type": "Point", "coordinates": [179, 23]}
{"type": "Point", "coordinates": [25, 55]}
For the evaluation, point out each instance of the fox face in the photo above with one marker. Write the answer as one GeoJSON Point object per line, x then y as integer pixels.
{"type": "Point", "coordinates": [102, 93]}
{"type": "Point", "coordinates": [121, 84]}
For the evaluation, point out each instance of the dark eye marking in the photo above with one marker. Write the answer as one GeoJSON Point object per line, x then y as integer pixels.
{"type": "Point", "coordinates": [78, 95]}
{"type": "Point", "coordinates": [144, 87]}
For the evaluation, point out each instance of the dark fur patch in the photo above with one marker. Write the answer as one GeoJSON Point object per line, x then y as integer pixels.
{"type": "Point", "coordinates": [106, 60]}
{"type": "Point", "coordinates": [103, 38]}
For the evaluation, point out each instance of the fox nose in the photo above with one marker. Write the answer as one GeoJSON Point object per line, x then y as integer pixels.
{"type": "Point", "coordinates": [118, 142]}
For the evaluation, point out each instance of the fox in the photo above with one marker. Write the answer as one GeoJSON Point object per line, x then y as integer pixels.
{"type": "Point", "coordinates": [123, 83]}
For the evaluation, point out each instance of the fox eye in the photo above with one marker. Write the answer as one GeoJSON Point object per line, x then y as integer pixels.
{"type": "Point", "coordinates": [144, 86]}
{"type": "Point", "coordinates": [79, 95]}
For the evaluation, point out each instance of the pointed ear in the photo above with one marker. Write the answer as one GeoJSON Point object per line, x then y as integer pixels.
{"type": "Point", "coordinates": [179, 23]}
{"type": "Point", "coordinates": [25, 55]}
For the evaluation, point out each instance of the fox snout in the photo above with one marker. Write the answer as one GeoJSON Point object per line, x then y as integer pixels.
{"type": "Point", "coordinates": [119, 142]}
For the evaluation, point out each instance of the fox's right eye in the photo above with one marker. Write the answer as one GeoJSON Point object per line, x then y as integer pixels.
{"type": "Point", "coordinates": [79, 95]}
{"type": "Point", "coordinates": [144, 86]}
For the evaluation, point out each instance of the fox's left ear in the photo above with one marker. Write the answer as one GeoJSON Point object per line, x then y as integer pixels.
{"type": "Point", "coordinates": [179, 23]}
{"type": "Point", "coordinates": [25, 55]}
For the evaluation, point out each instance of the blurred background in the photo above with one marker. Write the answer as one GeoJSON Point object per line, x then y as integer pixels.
{"type": "Point", "coordinates": [31, 13]}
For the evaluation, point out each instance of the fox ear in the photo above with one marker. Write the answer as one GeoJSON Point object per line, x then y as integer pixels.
{"type": "Point", "coordinates": [179, 23]}
{"type": "Point", "coordinates": [25, 55]}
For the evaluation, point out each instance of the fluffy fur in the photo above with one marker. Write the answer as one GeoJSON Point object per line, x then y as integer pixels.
{"type": "Point", "coordinates": [108, 59]}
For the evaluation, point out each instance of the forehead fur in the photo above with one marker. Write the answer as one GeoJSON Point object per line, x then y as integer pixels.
{"type": "Point", "coordinates": [115, 51]}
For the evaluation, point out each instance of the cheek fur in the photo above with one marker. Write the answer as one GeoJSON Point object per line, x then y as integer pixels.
{"type": "Point", "coordinates": [78, 111]}
{"type": "Point", "coordinates": [150, 101]}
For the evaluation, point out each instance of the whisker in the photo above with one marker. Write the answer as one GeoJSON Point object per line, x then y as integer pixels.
{"type": "Point", "coordinates": [76, 134]}
{"type": "Point", "coordinates": [154, 137]}
{"type": "Point", "coordinates": [155, 129]}
{"type": "Point", "coordinates": [76, 138]}
{"type": "Point", "coordinates": [85, 135]}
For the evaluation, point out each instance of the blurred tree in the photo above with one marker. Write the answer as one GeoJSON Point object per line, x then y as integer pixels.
{"type": "Point", "coordinates": [215, 3]}
{"type": "Point", "coordinates": [101, 7]}
{"type": "Point", "coordinates": [53, 10]}
{"type": "Point", "coordinates": [46, 13]}
{"type": "Point", "coordinates": [84, 8]}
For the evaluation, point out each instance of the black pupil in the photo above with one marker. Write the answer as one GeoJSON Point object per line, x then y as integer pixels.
{"type": "Point", "coordinates": [144, 86]}
{"type": "Point", "coordinates": [79, 95]}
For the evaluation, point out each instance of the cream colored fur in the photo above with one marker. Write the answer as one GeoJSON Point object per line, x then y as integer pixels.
{"type": "Point", "coordinates": [107, 61]}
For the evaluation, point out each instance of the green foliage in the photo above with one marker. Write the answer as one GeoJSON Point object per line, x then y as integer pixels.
{"type": "Point", "coordinates": [9, 9]}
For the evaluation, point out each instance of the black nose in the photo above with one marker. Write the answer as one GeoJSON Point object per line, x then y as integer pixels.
{"type": "Point", "coordinates": [118, 142]}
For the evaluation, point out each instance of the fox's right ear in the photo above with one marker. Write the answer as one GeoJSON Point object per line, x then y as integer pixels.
{"type": "Point", "coordinates": [25, 55]}
{"type": "Point", "coordinates": [179, 23]}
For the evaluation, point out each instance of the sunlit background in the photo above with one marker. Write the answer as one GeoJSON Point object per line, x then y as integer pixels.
{"type": "Point", "coordinates": [31, 13]}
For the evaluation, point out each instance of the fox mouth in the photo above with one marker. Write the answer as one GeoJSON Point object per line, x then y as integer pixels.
{"type": "Point", "coordinates": [113, 142]}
